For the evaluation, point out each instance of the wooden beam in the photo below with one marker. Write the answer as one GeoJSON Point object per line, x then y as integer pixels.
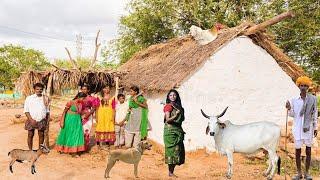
{"type": "Point", "coordinates": [74, 63]}
{"type": "Point", "coordinates": [116, 79]}
{"type": "Point", "coordinates": [269, 22]}
{"type": "Point", "coordinates": [55, 66]}
{"type": "Point", "coordinates": [49, 85]}
{"type": "Point", "coordinates": [97, 45]}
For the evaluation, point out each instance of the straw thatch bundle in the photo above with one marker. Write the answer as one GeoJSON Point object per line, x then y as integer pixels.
{"type": "Point", "coordinates": [164, 66]}
{"type": "Point", "coordinates": [97, 80]}
{"type": "Point", "coordinates": [24, 83]}
{"type": "Point", "coordinates": [64, 79]}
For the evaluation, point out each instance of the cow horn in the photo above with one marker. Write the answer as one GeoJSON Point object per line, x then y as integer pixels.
{"type": "Point", "coordinates": [224, 111]}
{"type": "Point", "coordinates": [204, 114]}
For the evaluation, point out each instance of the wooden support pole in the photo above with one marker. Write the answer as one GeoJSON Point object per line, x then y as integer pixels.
{"type": "Point", "coordinates": [48, 99]}
{"type": "Point", "coordinates": [49, 85]}
{"type": "Point", "coordinates": [269, 22]}
{"type": "Point", "coordinates": [116, 79]}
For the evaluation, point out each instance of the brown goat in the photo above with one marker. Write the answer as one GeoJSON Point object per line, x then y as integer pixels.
{"type": "Point", "coordinates": [20, 155]}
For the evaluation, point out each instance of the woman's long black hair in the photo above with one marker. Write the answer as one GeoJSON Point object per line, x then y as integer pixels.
{"type": "Point", "coordinates": [177, 103]}
{"type": "Point", "coordinates": [80, 95]}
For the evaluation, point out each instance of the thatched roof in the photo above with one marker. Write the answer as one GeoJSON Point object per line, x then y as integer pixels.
{"type": "Point", "coordinates": [167, 65]}
{"type": "Point", "coordinates": [62, 79]}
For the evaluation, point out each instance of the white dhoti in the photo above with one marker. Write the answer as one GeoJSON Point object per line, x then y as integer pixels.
{"type": "Point", "coordinates": [300, 137]}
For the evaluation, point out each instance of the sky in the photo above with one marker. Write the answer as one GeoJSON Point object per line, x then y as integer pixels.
{"type": "Point", "coordinates": [51, 25]}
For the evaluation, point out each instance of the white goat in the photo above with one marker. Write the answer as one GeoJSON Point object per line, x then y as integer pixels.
{"type": "Point", "coordinates": [20, 155]}
{"type": "Point", "coordinates": [247, 139]}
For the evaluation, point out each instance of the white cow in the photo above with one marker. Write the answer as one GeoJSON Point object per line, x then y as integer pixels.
{"type": "Point", "coordinates": [247, 139]}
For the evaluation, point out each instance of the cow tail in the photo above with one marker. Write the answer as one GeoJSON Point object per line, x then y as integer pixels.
{"type": "Point", "coordinates": [279, 164]}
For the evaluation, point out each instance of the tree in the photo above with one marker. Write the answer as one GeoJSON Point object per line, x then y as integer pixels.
{"type": "Point", "coordinates": [299, 36]}
{"type": "Point", "coordinates": [150, 22]}
{"type": "Point", "coordinates": [16, 59]}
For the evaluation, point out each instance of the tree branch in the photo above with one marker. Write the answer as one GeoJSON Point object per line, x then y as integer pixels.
{"type": "Point", "coordinates": [95, 51]}
{"type": "Point", "coordinates": [74, 63]}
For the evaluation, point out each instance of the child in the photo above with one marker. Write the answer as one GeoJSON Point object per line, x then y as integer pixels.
{"type": "Point", "coordinates": [121, 112]}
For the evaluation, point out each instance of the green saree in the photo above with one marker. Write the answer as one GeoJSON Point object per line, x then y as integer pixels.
{"type": "Point", "coordinates": [144, 115]}
{"type": "Point", "coordinates": [173, 140]}
{"type": "Point", "coordinates": [70, 138]}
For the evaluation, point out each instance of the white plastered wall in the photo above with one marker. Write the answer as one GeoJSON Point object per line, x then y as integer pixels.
{"type": "Point", "coordinates": [240, 75]}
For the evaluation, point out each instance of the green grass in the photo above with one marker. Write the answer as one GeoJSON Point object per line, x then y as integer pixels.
{"type": "Point", "coordinates": [318, 102]}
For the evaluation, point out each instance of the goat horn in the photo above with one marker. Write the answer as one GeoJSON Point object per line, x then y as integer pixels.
{"type": "Point", "coordinates": [224, 111]}
{"type": "Point", "coordinates": [204, 114]}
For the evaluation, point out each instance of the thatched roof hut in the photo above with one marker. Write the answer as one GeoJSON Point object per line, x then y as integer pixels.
{"type": "Point", "coordinates": [167, 65]}
{"type": "Point", "coordinates": [245, 71]}
{"type": "Point", "coordinates": [58, 79]}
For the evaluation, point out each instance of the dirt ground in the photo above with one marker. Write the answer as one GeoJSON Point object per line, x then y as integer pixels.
{"type": "Point", "coordinates": [199, 165]}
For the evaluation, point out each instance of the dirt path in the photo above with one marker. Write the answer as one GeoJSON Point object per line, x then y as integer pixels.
{"type": "Point", "coordinates": [199, 165]}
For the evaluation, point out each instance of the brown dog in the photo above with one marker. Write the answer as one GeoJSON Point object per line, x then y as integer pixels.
{"type": "Point", "coordinates": [130, 156]}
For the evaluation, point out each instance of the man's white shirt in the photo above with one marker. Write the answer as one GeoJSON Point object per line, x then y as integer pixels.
{"type": "Point", "coordinates": [36, 107]}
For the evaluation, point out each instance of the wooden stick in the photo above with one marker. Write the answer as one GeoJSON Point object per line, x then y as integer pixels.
{"type": "Point", "coordinates": [285, 145]}
{"type": "Point", "coordinates": [74, 63]}
{"type": "Point", "coordinates": [117, 86]}
{"type": "Point", "coordinates": [96, 50]}
{"type": "Point", "coordinates": [46, 99]}
{"type": "Point", "coordinates": [55, 66]}
{"type": "Point", "coordinates": [269, 22]}
{"type": "Point", "coordinates": [49, 84]}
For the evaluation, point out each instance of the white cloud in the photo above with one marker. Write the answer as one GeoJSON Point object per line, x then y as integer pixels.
{"type": "Point", "coordinates": [58, 19]}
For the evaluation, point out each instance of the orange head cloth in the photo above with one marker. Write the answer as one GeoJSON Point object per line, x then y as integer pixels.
{"type": "Point", "coordinates": [304, 80]}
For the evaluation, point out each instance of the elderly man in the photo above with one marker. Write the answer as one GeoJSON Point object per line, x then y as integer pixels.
{"type": "Point", "coordinates": [304, 111]}
{"type": "Point", "coordinates": [37, 112]}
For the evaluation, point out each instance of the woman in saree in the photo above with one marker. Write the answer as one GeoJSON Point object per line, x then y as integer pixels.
{"type": "Point", "coordinates": [105, 116]}
{"type": "Point", "coordinates": [137, 125]}
{"type": "Point", "coordinates": [71, 139]}
{"type": "Point", "coordinates": [90, 105]}
{"type": "Point", "coordinates": [173, 133]}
